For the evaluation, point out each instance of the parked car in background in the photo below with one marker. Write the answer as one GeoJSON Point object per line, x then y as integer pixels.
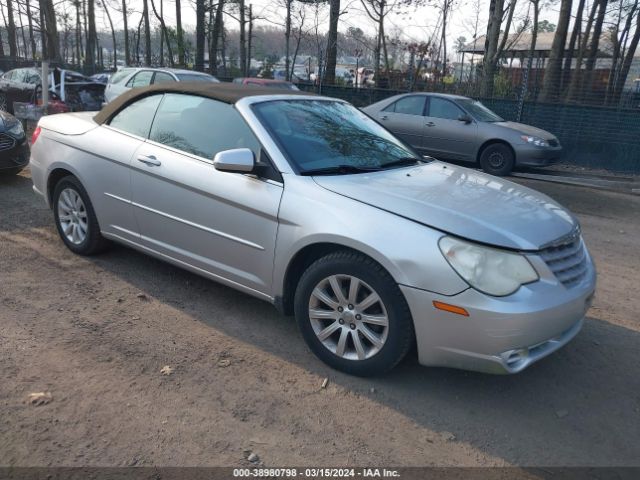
{"type": "Point", "coordinates": [14, 147]}
{"type": "Point", "coordinates": [266, 82]}
{"type": "Point", "coordinates": [128, 78]}
{"type": "Point", "coordinates": [68, 90]}
{"type": "Point", "coordinates": [102, 77]}
{"type": "Point", "coordinates": [306, 202]}
{"type": "Point", "coordinates": [451, 127]}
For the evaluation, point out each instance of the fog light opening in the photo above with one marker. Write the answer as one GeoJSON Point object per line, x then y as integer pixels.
{"type": "Point", "coordinates": [514, 357]}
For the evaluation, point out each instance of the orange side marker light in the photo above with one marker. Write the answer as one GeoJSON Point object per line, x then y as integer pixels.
{"type": "Point", "coordinates": [450, 308]}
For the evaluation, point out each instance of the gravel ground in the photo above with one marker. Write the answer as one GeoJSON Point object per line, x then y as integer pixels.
{"type": "Point", "coordinates": [96, 332]}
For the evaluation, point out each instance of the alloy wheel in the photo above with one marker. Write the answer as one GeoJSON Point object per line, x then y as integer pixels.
{"type": "Point", "coordinates": [72, 216]}
{"type": "Point", "coordinates": [348, 317]}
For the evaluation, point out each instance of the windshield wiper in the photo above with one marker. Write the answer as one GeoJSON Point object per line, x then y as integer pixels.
{"type": "Point", "coordinates": [401, 162]}
{"type": "Point", "coordinates": [339, 169]}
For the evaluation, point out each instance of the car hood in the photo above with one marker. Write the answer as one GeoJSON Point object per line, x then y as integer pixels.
{"type": "Point", "coordinates": [460, 201]}
{"type": "Point", "coordinates": [525, 129]}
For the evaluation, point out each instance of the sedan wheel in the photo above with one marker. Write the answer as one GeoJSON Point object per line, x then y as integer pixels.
{"type": "Point", "coordinates": [75, 218]}
{"type": "Point", "coordinates": [354, 325]}
{"type": "Point", "coordinates": [352, 314]}
{"type": "Point", "coordinates": [497, 159]}
{"type": "Point", "coordinates": [72, 216]}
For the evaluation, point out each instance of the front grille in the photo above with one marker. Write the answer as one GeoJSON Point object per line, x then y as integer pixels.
{"type": "Point", "coordinates": [553, 143]}
{"type": "Point", "coordinates": [6, 142]}
{"type": "Point", "coordinates": [567, 261]}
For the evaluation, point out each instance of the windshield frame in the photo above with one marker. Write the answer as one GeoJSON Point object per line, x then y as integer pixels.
{"type": "Point", "coordinates": [254, 118]}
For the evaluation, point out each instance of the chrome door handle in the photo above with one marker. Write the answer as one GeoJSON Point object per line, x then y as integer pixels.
{"type": "Point", "coordinates": [384, 117]}
{"type": "Point", "coordinates": [149, 160]}
{"type": "Point", "coordinates": [430, 124]}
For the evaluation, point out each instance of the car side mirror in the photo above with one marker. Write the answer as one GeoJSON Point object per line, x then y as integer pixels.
{"type": "Point", "coordinates": [237, 160]}
{"type": "Point", "coordinates": [465, 118]}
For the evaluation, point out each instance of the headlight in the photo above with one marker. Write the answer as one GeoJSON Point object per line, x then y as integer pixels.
{"type": "Point", "coordinates": [489, 270]}
{"type": "Point", "coordinates": [537, 141]}
{"type": "Point", "coordinates": [16, 130]}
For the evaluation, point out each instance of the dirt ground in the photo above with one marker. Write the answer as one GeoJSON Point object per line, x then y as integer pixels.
{"type": "Point", "coordinates": [95, 332]}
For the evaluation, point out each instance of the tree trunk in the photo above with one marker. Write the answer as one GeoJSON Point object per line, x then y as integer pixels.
{"type": "Point", "coordinates": [215, 35]}
{"type": "Point", "coordinates": [200, 19]}
{"type": "Point", "coordinates": [11, 31]}
{"type": "Point", "coordinates": [551, 82]}
{"type": "Point", "coordinates": [179, 33]}
{"type": "Point", "coordinates": [249, 40]}
{"type": "Point", "coordinates": [50, 31]}
{"type": "Point", "coordinates": [492, 38]}
{"type": "Point", "coordinates": [164, 32]}
{"type": "Point", "coordinates": [243, 43]}
{"type": "Point", "coordinates": [628, 60]}
{"type": "Point", "coordinates": [32, 39]}
{"type": "Point", "coordinates": [590, 64]}
{"type": "Point", "coordinates": [127, 53]}
{"type": "Point", "coordinates": [147, 33]}
{"type": "Point", "coordinates": [113, 35]}
{"type": "Point", "coordinates": [90, 63]}
{"type": "Point", "coordinates": [332, 42]}
{"type": "Point", "coordinates": [570, 52]}
{"type": "Point", "coordinates": [287, 38]}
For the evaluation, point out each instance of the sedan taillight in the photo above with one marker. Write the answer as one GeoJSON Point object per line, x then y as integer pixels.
{"type": "Point", "coordinates": [36, 134]}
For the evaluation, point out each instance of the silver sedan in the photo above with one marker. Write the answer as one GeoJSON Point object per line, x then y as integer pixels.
{"type": "Point", "coordinates": [307, 203]}
{"type": "Point", "coordinates": [451, 127]}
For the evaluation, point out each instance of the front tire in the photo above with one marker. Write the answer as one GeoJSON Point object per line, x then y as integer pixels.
{"type": "Point", "coordinates": [353, 315]}
{"type": "Point", "coordinates": [75, 218]}
{"type": "Point", "coordinates": [497, 159]}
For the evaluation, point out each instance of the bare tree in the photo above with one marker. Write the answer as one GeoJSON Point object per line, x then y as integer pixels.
{"type": "Point", "coordinates": [11, 30]}
{"type": "Point", "coordinates": [147, 33]}
{"type": "Point", "coordinates": [551, 82]}
{"type": "Point", "coordinates": [164, 33]}
{"type": "Point", "coordinates": [494, 44]}
{"type": "Point", "coordinates": [179, 33]}
{"type": "Point", "coordinates": [90, 57]}
{"type": "Point", "coordinates": [200, 19]}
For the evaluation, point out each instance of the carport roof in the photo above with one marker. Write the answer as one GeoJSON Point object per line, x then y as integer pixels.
{"type": "Point", "coordinates": [223, 92]}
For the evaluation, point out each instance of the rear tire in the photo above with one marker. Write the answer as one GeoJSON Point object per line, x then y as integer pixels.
{"type": "Point", "coordinates": [348, 330]}
{"type": "Point", "coordinates": [497, 159]}
{"type": "Point", "coordinates": [75, 218]}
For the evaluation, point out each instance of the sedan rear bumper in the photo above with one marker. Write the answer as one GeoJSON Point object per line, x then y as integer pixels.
{"type": "Point", "coordinates": [501, 334]}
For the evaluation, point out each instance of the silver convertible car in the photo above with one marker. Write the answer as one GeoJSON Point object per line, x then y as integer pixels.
{"type": "Point", "coordinates": [451, 127]}
{"type": "Point", "coordinates": [306, 202]}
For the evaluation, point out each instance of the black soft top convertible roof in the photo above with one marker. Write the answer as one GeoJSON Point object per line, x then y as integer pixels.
{"type": "Point", "coordinates": [223, 92]}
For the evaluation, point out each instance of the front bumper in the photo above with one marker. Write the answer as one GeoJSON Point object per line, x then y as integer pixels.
{"type": "Point", "coordinates": [16, 156]}
{"type": "Point", "coordinates": [530, 155]}
{"type": "Point", "coordinates": [501, 334]}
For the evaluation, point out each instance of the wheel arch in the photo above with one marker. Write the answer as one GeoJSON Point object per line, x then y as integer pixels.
{"type": "Point", "coordinates": [302, 259]}
{"type": "Point", "coordinates": [53, 178]}
{"type": "Point", "coordinates": [492, 141]}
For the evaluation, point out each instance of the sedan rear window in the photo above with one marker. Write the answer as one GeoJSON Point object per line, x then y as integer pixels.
{"type": "Point", "coordinates": [137, 117]}
{"type": "Point", "coordinates": [120, 75]}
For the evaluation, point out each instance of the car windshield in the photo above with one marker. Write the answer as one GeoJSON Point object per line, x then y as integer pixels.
{"type": "Point", "coordinates": [331, 136]}
{"type": "Point", "coordinates": [479, 111]}
{"type": "Point", "coordinates": [194, 77]}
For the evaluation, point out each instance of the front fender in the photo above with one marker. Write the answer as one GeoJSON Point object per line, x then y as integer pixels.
{"type": "Point", "coordinates": [310, 214]}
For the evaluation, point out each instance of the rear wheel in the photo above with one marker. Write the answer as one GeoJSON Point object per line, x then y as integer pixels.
{"type": "Point", "coordinates": [75, 218]}
{"type": "Point", "coordinates": [352, 314]}
{"type": "Point", "coordinates": [497, 159]}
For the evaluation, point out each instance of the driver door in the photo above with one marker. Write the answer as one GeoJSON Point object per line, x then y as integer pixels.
{"type": "Point", "coordinates": [445, 135]}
